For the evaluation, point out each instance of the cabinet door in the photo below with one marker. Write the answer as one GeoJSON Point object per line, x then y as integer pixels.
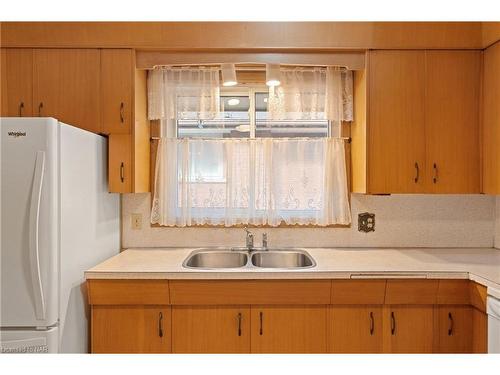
{"type": "Point", "coordinates": [355, 329]}
{"type": "Point", "coordinates": [396, 130]}
{"type": "Point", "coordinates": [288, 329]}
{"type": "Point", "coordinates": [117, 80]}
{"type": "Point", "coordinates": [120, 163]}
{"type": "Point", "coordinates": [454, 329]}
{"type": "Point", "coordinates": [491, 120]}
{"type": "Point", "coordinates": [211, 329]}
{"type": "Point", "coordinates": [408, 329]}
{"type": "Point", "coordinates": [480, 331]}
{"type": "Point", "coordinates": [452, 121]}
{"type": "Point", "coordinates": [66, 86]}
{"type": "Point", "coordinates": [17, 82]}
{"type": "Point", "coordinates": [131, 329]}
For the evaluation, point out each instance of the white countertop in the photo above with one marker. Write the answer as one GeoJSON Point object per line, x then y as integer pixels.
{"type": "Point", "coordinates": [478, 264]}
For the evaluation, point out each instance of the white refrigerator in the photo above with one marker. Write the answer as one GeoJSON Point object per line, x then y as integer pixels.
{"type": "Point", "coordinates": [58, 220]}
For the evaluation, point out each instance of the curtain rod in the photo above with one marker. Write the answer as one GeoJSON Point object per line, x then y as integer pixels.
{"type": "Point", "coordinates": [347, 139]}
{"type": "Point", "coordinates": [260, 68]}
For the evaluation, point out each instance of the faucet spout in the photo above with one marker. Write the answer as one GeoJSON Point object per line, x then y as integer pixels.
{"type": "Point", "coordinates": [249, 239]}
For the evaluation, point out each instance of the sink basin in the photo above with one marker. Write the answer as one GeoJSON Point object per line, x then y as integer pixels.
{"type": "Point", "coordinates": [282, 259]}
{"type": "Point", "coordinates": [216, 259]}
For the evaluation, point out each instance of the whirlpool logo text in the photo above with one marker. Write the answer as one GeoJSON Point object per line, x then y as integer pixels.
{"type": "Point", "coordinates": [17, 134]}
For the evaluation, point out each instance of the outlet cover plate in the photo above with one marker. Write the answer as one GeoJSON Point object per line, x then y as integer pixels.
{"type": "Point", "coordinates": [136, 221]}
{"type": "Point", "coordinates": [366, 222]}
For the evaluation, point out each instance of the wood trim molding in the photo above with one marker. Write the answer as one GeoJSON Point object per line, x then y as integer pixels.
{"type": "Point", "coordinates": [490, 33]}
{"type": "Point", "coordinates": [149, 59]}
{"type": "Point", "coordinates": [244, 35]}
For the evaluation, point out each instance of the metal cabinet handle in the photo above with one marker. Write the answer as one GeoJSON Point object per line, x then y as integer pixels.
{"type": "Point", "coordinates": [160, 324]}
{"type": "Point", "coordinates": [122, 117]}
{"type": "Point", "coordinates": [450, 329]}
{"type": "Point", "coordinates": [435, 178]}
{"type": "Point", "coordinates": [239, 324]}
{"type": "Point", "coordinates": [40, 106]}
{"type": "Point", "coordinates": [372, 323]}
{"type": "Point", "coordinates": [393, 323]}
{"type": "Point", "coordinates": [122, 172]}
{"type": "Point", "coordinates": [417, 170]}
{"type": "Point", "coordinates": [261, 317]}
{"type": "Point", "coordinates": [21, 107]}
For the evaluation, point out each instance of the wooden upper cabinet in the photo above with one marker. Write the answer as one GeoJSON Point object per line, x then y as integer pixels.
{"type": "Point", "coordinates": [66, 86]}
{"type": "Point", "coordinates": [452, 121]}
{"type": "Point", "coordinates": [131, 329]}
{"type": "Point", "coordinates": [17, 82]}
{"type": "Point", "coordinates": [491, 120]}
{"type": "Point", "coordinates": [408, 329]}
{"type": "Point", "coordinates": [117, 87]}
{"type": "Point", "coordinates": [120, 168]}
{"type": "Point", "coordinates": [422, 124]}
{"type": "Point", "coordinates": [211, 329]}
{"type": "Point", "coordinates": [396, 137]}
{"type": "Point", "coordinates": [289, 329]}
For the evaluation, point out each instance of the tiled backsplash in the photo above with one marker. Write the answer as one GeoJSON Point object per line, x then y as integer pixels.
{"type": "Point", "coordinates": [401, 221]}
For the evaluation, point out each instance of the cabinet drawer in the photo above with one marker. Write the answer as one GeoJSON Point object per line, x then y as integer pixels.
{"type": "Point", "coordinates": [453, 292]}
{"type": "Point", "coordinates": [408, 292]}
{"type": "Point", "coordinates": [243, 292]}
{"type": "Point", "coordinates": [477, 295]}
{"type": "Point", "coordinates": [128, 292]}
{"type": "Point", "coordinates": [358, 292]}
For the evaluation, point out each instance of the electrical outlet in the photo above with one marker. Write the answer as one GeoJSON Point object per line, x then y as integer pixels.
{"type": "Point", "coordinates": [366, 222]}
{"type": "Point", "coordinates": [136, 221]}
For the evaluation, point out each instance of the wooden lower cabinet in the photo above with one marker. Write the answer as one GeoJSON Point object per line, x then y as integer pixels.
{"type": "Point", "coordinates": [355, 329]}
{"type": "Point", "coordinates": [358, 316]}
{"type": "Point", "coordinates": [479, 331]}
{"type": "Point", "coordinates": [453, 331]}
{"type": "Point", "coordinates": [131, 329]}
{"type": "Point", "coordinates": [289, 329]}
{"type": "Point", "coordinates": [211, 329]}
{"type": "Point", "coordinates": [408, 329]}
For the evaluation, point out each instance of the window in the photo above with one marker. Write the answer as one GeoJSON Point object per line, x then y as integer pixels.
{"type": "Point", "coordinates": [229, 157]}
{"type": "Point", "coordinates": [245, 115]}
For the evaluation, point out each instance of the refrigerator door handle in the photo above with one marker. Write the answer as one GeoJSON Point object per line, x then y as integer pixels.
{"type": "Point", "coordinates": [34, 255]}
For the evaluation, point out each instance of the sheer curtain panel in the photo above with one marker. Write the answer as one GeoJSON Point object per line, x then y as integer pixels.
{"type": "Point", "coordinates": [191, 92]}
{"type": "Point", "coordinates": [312, 94]}
{"type": "Point", "coordinates": [261, 181]}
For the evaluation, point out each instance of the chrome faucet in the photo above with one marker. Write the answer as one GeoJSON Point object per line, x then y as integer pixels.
{"type": "Point", "coordinates": [264, 241]}
{"type": "Point", "coordinates": [249, 239]}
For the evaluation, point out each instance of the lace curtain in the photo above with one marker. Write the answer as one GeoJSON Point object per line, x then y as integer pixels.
{"type": "Point", "coordinates": [312, 94]}
{"type": "Point", "coordinates": [250, 181]}
{"type": "Point", "coordinates": [191, 92]}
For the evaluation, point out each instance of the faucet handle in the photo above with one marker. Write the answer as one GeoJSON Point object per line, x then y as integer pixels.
{"type": "Point", "coordinates": [264, 240]}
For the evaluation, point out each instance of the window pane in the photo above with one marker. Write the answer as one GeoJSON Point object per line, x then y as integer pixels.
{"type": "Point", "coordinates": [285, 128]}
{"type": "Point", "coordinates": [233, 121]}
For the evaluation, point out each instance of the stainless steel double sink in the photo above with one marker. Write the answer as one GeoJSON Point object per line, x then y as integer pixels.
{"type": "Point", "coordinates": [241, 257]}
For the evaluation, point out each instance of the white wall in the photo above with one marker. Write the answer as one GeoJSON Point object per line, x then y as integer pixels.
{"type": "Point", "coordinates": [401, 221]}
{"type": "Point", "coordinates": [497, 226]}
